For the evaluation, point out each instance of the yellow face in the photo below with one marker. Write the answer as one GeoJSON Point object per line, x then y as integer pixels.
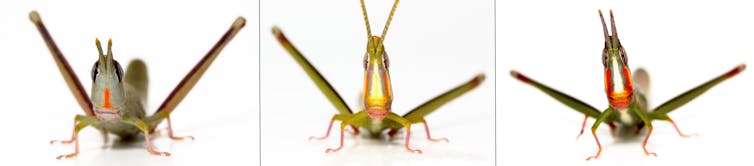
{"type": "Point", "coordinates": [378, 95]}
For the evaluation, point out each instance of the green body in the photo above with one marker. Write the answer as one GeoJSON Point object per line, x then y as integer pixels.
{"type": "Point", "coordinates": [376, 116]}
{"type": "Point", "coordinates": [117, 103]}
{"type": "Point", "coordinates": [618, 82]}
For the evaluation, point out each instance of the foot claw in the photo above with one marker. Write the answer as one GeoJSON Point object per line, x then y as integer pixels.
{"type": "Point", "coordinates": [415, 151]}
{"type": "Point", "coordinates": [160, 153]}
{"type": "Point", "coordinates": [439, 139]}
{"type": "Point", "coordinates": [689, 135]}
{"type": "Point", "coordinates": [72, 155]}
{"type": "Point", "coordinates": [317, 138]}
{"type": "Point", "coordinates": [650, 153]}
{"type": "Point", "coordinates": [182, 138]}
{"type": "Point", "coordinates": [62, 142]}
{"type": "Point", "coordinates": [592, 157]}
{"type": "Point", "coordinates": [332, 150]}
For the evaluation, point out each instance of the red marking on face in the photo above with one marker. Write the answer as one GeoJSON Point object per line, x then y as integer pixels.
{"type": "Point", "coordinates": [106, 103]}
{"type": "Point", "coordinates": [377, 113]}
{"type": "Point", "coordinates": [619, 99]}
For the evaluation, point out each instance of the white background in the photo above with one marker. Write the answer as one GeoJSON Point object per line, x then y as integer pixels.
{"type": "Point", "coordinates": [555, 42]}
{"type": "Point", "coordinates": [221, 111]}
{"type": "Point", "coordinates": [433, 46]}
{"type": "Point", "coordinates": [681, 43]}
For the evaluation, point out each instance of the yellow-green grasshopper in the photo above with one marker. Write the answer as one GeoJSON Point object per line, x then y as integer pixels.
{"type": "Point", "coordinates": [628, 107]}
{"type": "Point", "coordinates": [118, 98]}
{"type": "Point", "coordinates": [377, 115]}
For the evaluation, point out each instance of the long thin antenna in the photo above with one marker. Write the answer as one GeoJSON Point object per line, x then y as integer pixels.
{"type": "Point", "coordinates": [366, 19]}
{"type": "Point", "coordinates": [612, 26]}
{"type": "Point", "coordinates": [389, 18]}
{"type": "Point", "coordinates": [604, 26]}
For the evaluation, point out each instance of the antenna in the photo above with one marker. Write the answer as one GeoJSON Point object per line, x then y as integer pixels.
{"type": "Point", "coordinates": [366, 19]}
{"type": "Point", "coordinates": [604, 26]}
{"type": "Point", "coordinates": [612, 26]}
{"type": "Point", "coordinates": [389, 18]}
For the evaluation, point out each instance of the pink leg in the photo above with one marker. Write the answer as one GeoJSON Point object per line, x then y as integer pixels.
{"type": "Point", "coordinates": [327, 134]}
{"type": "Point", "coordinates": [599, 145]}
{"type": "Point", "coordinates": [583, 125]}
{"type": "Point", "coordinates": [75, 153]}
{"type": "Point", "coordinates": [679, 131]}
{"type": "Point", "coordinates": [426, 128]}
{"type": "Point", "coordinates": [170, 132]}
{"type": "Point", "coordinates": [342, 130]}
{"type": "Point", "coordinates": [150, 149]}
{"type": "Point", "coordinates": [73, 136]}
{"type": "Point", "coordinates": [646, 139]}
{"type": "Point", "coordinates": [408, 135]}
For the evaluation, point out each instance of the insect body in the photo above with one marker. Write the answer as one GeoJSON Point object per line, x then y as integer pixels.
{"type": "Point", "coordinates": [626, 93]}
{"type": "Point", "coordinates": [377, 115]}
{"type": "Point", "coordinates": [118, 97]}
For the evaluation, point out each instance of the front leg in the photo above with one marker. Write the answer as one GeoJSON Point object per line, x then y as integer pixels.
{"type": "Point", "coordinates": [79, 122]}
{"type": "Point", "coordinates": [406, 123]}
{"type": "Point", "coordinates": [157, 117]}
{"type": "Point", "coordinates": [345, 121]}
{"type": "Point", "coordinates": [648, 123]}
{"type": "Point", "coordinates": [597, 123]}
{"type": "Point", "coordinates": [342, 118]}
{"type": "Point", "coordinates": [145, 129]}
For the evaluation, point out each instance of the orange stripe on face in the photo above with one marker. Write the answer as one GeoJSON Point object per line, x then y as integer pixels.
{"type": "Point", "coordinates": [107, 99]}
{"type": "Point", "coordinates": [619, 98]}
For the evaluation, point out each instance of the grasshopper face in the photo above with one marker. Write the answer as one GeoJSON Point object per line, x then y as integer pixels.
{"type": "Point", "coordinates": [108, 96]}
{"type": "Point", "coordinates": [378, 95]}
{"type": "Point", "coordinates": [618, 84]}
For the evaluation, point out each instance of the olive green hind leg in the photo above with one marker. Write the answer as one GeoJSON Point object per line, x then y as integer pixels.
{"type": "Point", "coordinates": [661, 112]}
{"type": "Point", "coordinates": [79, 122]}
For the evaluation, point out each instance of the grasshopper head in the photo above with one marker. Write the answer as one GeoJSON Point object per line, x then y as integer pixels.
{"type": "Point", "coordinates": [618, 84]}
{"type": "Point", "coordinates": [377, 91]}
{"type": "Point", "coordinates": [107, 95]}
{"type": "Point", "coordinates": [378, 95]}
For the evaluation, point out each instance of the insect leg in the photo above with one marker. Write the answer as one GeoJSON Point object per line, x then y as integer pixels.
{"type": "Point", "coordinates": [597, 123]}
{"type": "Point", "coordinates": [426, 128]}
{"type": "Point", "coordinates": [145, 129]}
{"type": "Point", "coordinates": [405, 122]}
{"type": "Point", "coordinates": [79, 122]}
{"type": "Point", "coordinates": [342, 118]}
{"type": "Point", "coordinates": [343, 125]}
{"type": "Point", "coordinates": [648, 123]}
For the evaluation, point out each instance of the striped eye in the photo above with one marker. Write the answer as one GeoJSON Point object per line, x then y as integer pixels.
{"type": "Point", "coordinates": [385, 60]}
{"type": "Point", "coordinates": [604, 57]}
{"type": "Point", "coordinates": [118, 71]}
{"type": "Point", "coordinates": [95, 71]}
{"type": "Point", "coordinates": [366, 61]}
{"type": "Point", "coordinates": [623, 56]}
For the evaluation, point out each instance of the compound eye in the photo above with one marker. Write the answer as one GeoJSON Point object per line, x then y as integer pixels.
{"type": "Point", "coordinates": [623, 56]}
{"type": "Point", "coordinates": [366, 60]}
{"type": "Point", "coordinates": [95, 71]}
{"type": "Point", "coordinates": [385, 60]}
{"type": "Point", "coordinates": [604, 57]}
{"type": "Point", "coordinates": [118, 71]}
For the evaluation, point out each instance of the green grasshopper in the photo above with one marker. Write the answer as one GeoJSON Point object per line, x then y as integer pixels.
{"type": "Point", "coordinates": [628, 104]}
{"type": "Point", "coordinates": [377, 94]}
{"type": "Point", "coordinates": [118, 99]}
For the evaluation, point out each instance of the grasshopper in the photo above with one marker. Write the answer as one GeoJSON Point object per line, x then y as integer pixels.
{"type": "Point", "coordinates": [118, 99]}
{"type": "Point", "coordinates": [377, 115]}
{"type": "Point", "coordinates": [628, 106]}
